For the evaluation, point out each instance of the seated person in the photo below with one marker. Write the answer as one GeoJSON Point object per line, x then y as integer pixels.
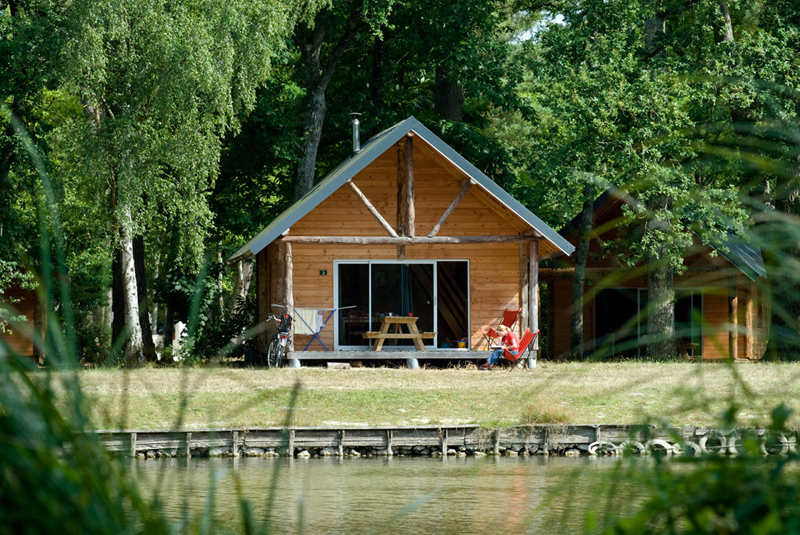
{"type": "Point", "coordinates": [508, 341]}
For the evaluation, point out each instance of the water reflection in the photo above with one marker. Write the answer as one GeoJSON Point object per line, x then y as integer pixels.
{"type": "Point", "coordinates": [398, 495]}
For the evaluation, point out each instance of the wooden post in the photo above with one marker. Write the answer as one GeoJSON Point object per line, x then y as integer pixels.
{"type": "Point", "coordinates": [389, 451]}
{"type": "Point", "coordinates": [290, 449]}
{"type": "Point", "coordinates": [262, 297]}
{"type": "Point", "coordinates": [133, 444]}
{"type": "Point", "coordinates": [405, 191]}
{"type": "Point", "coordinates": [523, 288]}
{"type": "Point", "coordinates": [188, 445]}
{"type": "Point", "coordinates": [444, 442]}
{"type": "Point", "coordinates": [289, 296]}
{"type": "Point", "coordinates": [748, 323]}
{"type": "Point", "coordinates": [235, 445]}
{"type": "Point", "coordinates": [409, 188]}
{"type": "Point", "coordinates": [40, 330]}
{"type": "Point", "coordinates": [733, 309]}
{"type": "Point", "coordinates": [496, 447]}
{"type": "Point", "coordinates": [341, 443]}
{"type": "Point", "coordinates": [550, 312]}
{"type": "Point", "coordinates": [533, 298]}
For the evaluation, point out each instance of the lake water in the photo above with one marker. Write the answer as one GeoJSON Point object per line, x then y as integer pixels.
{"type": "Point", "coordinates": [396, 495]}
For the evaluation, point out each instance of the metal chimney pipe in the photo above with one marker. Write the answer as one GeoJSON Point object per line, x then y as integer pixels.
{"type": "Point", "coordinates": [356, 140]}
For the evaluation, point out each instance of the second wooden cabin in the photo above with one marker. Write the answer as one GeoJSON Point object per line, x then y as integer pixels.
{"type": "Point", "coordinates": [719, 307]}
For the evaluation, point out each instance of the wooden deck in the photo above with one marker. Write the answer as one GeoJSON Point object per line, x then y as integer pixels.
{"type": "Point", "coordinates": [390, 354]}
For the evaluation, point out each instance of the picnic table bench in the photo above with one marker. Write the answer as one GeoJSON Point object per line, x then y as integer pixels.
{"type": "Point", "coordinates": [413, 333]}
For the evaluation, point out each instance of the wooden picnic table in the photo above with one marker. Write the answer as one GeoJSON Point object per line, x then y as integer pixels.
{"type": "Point", "coordinates": [413, 333]}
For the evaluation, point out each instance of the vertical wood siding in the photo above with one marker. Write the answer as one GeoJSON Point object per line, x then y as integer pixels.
{"type": "Point", "coordinates": [494, 268]}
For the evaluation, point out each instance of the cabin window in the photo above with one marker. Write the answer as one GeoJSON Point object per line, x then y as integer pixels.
{"type": "Point", "coordinates": [436, 292]}
{"type": "Point", "coordinates": [689, 321]}
{"type": "Point", "coordinates": [621, 322]}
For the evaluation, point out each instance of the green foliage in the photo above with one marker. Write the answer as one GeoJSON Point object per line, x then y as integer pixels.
{"type": "Point", "coordinates": [228, 337]}
{"type": "Point", "coordinates": [748, 493]}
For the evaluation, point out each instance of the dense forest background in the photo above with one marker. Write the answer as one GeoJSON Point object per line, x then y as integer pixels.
{"type": "Point", "coordinates": [144, 142]}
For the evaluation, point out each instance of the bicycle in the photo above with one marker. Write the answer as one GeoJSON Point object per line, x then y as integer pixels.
{"type": "Point", "coordinates": [276, 353]}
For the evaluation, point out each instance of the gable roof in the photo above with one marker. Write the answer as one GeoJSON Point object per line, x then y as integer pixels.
{"type": "Point", "coordinates": [744, 256]}
{"type": "Point", "coordinates": [371, 150]}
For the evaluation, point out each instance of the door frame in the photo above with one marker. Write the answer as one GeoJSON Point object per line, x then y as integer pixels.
{"type": "Point", "coordinates": [433, 262]}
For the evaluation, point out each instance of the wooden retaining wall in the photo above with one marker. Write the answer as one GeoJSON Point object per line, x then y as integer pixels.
{"type": "Point", "coordinates": [570, 440]}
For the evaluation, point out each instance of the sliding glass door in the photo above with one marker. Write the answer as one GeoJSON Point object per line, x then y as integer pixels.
{"type": "Point", "coordinates": [367, 291]}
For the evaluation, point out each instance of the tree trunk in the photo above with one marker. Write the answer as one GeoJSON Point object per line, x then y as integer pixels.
{"type": "Point", "coordinates": [661, 313]}
{"type": "Point", "coordinates": [220, 279]}
{"type": "Point", "coordinates": [117, 298]}
{"type": "Point", "coordinates": [660, 289]}
{"type": "Point", "coordinates": [244, 272]}
{"type": "Point", "coordinates": [723, 30]}
{"type": "Point", "coordinates": [578, 284]}
{"type": "Point", "coordinates": [148, 346]}
{"type": "Point", "coordinates": [133, 345]}
{"type": "Point", "coordinates": [154, 310]}
{"type": "Point", "coordinates": [448, 96]}
{"type": "Point", "coordinates": [378, 71]}
{"type": "Point", "coordinates": [317, 78]}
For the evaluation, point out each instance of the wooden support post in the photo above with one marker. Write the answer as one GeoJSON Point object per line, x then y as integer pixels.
{"type": "Point", "coordinates": [496, 447]}
{"type": "Point", "coordinates": [263, 284]}
{"type": "Point", "coordinates": [597, 434]}
{"type": "Point", "coordinates": [550, 313]}
{"type": "Point", "coordinates": [290, 449]}
{"type": "Point", "coordinates": [133, 444]}
{"type": "Point", "coordinates": [464, 189]}
{"type": "Point", "coordinates": [533, 298]}
{"type": "Point", "coordinates": [235, 444]}
{"type": "Point", "coordinates": [748, 323]}
{"type": "Point", "coordinates": [289, 295]}
{"type": "Point", "coordinates": [341, 443]}
{"type": "Point", "coordinates": [188, 445]}
{"type": "Point", "coordinates": [733, 309]}
{"type": "Point", "coordinates": [523, 288]}
{"type": "Point", "coordinates": [389, 451]}
{"type": "Point", "coordinates": [444, 442]}
{"type": "Point", "coordinates": [385, 224]}
{"type": "Point", "coordinates": [406, 212]}
{"type": "Point", "coordinates": [40, 330]}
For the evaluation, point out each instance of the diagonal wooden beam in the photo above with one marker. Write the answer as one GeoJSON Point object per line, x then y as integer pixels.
{"type": "Point", "coordinates": [385, 224]}
{"type": "Point", "coordinates": [438, 226]}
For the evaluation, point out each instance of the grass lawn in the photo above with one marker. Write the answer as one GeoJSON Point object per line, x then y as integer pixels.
{"type": "Point", "coordinates": [675, 393]}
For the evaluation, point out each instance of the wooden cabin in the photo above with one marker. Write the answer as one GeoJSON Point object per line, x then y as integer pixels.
{"type": "Point", "coordinates": [25, 303]}
{"type": "Point", "coordinates": [405, 226]}
{"type": "Point", "coordinates": [719, 311]}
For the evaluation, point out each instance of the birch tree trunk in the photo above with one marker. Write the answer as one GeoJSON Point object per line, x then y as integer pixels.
{"type": "Point", "coordinates": [579, 281]}
{"type": "Point", "coordinates": [154, 310]}
{"type": "Point", "coordinates": [220, 279]}
{"type": "Point", "coordinates": [133, 345]}
{"type": "Point", "coordinates": [244, 273]}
